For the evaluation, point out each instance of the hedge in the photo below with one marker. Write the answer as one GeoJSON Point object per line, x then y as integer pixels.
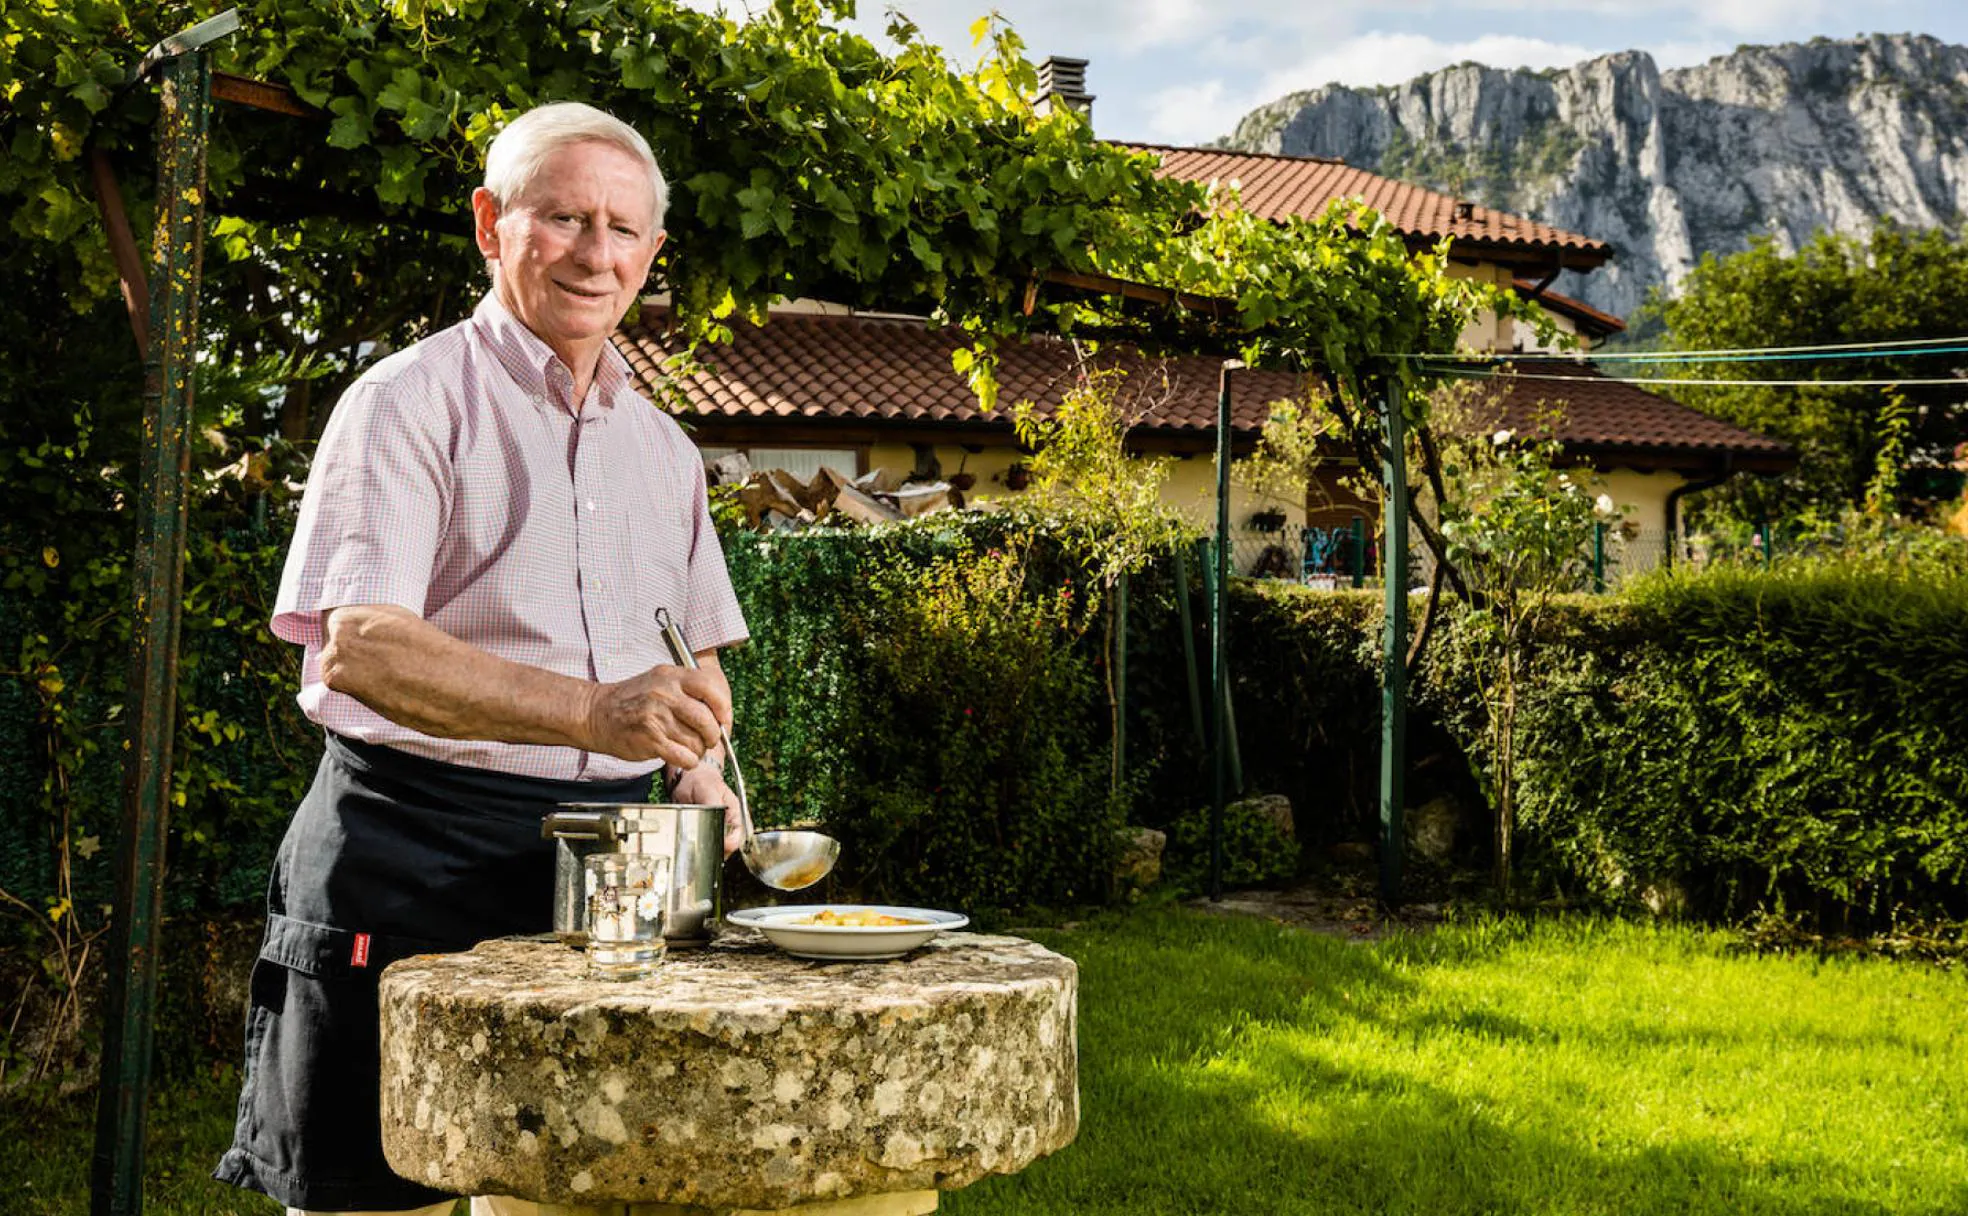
{"type": "Point", "coordinates": [1791, 740]}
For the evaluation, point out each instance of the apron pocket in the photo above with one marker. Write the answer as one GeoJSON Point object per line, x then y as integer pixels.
{"type": "Point", "coordinates": [330, 953]}
{"type": "Point", "coordinates": [308, 1119]}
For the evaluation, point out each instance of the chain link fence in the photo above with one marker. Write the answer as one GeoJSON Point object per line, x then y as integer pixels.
{"type": "Point", "coordinates": [1348, 555]}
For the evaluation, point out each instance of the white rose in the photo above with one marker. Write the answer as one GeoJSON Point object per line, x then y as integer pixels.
{"type": "Point", "coordinates": [1605, 504]}
{"type": "Point", "coordinates": [1500, 438]}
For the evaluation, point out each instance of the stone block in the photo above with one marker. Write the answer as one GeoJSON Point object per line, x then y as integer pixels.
{"type": "Point", "coordinates": [1139, 864]}
{"type": "Point", "coordinates": [734, 1078]}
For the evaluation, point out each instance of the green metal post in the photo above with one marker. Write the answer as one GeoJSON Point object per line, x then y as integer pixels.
{"type": "Point", "coordinates": [1189, 643]}
{"type": "Point", "coordinates": [1394, 639]}
{"type": "Point", "coordinates": [1599, 557]}
{"type": "Point", "coordinates": [1210, 584]}
{"type": "Point", "coordinates": [176, 262]}
{"type": "Point", "coordinates": [1219, 652]}
{"type": "Point", "coordinates": [1768, 554]}
{"type": "Point", "coordinates": [1120, 679]}
{"type": "Point", "coordinates": [1359, 552]}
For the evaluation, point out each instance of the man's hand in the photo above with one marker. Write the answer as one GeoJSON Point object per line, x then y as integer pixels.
{"type": "Point", "coordinates": [670, 713]}
{"type": "Point", "coordinates": [705, 786]}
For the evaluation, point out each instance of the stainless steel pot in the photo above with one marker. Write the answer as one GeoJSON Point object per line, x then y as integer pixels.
{"type": "Point", "coordinates": [692, 837]}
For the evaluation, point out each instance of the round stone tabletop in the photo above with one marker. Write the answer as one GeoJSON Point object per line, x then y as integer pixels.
{"type": "Point", "coordinates": [735, 1077]}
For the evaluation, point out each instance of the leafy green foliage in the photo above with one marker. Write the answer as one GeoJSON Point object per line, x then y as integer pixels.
{"type": "Point", "coordinates": [1790, 740]}
{"type": "Point", "coordinates": [977, 750]}
{"type": "Point", "coordinates": [1897, 285]}
{"type": "Point", "coordinates": [1519, 526]}
{"type": "Point", "coordinates": [1255, 852]}
{"type": "Point", "coordinates": [921, 689]}
{"type": "Point", "coordinates": [1727, 739]}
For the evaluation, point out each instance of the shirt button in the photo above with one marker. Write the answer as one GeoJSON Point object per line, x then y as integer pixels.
{"type": "Point", "coordinates": [591, 505]}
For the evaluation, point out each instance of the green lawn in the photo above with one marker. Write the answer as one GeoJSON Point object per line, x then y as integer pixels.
{"type": "Point", "coordinates": [1563, 1067]}
{"type": "Point", "coordinates": [1560, 1067]}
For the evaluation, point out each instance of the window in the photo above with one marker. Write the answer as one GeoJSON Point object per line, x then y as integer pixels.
{"type": "Point", "coordinates": [802, 463]}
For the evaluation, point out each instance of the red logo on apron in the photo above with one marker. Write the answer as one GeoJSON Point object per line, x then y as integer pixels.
{"type": "Point", "coordinates": [359, 957]}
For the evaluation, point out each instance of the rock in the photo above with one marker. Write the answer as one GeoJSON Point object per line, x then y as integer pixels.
{"type": "Point", "coordinates": [880, 481]}
{"type": "Point", "coordinates": [1666, 166]}
{"type": "Point", "coordinates": [862, 509]}
{"type": "Point", "coordinates": [916, 500]}
{"type": "Point", "coordinates": [1139, 865]}
{"type": "Point", "coordinates": [1275, 809]}
{"type": "Point", "coordinates": [1667, 898]}
{"type": "Point", "coordinates": [736, 1077]}
{"type": "Point", "coordinates": [761, 493]}
{"type": "Point", "coordinates": [731, 469]}
{"type": "Point", "coordinates": [1351, 852]}
{"type": "Point", "coordinates": [796, 490]}
{"type": "Point", "coordinates": [1432, 828]}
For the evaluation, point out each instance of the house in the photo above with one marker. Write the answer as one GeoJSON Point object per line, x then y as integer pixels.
{"type": "Point", "coordinates": [819, 384]}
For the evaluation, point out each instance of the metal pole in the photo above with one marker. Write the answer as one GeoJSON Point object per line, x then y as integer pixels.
{"type": "Point", "coordinates": [1219, 674]}
{"type": "Point", "coordinates": [1210, 583]}
{"type": "Point", "coordinates": [177, 248]}
{"type": "Point", "coordinates": [1598, 557]}
{"type": "Point", "coordinates": [1120, 679]}
{"type": "Point", "coordinates": [1394, 640]}
{"type": "Point", "coordinates": [1768, 554]}
{"type": "Point", "coordinates": [1188, 625]}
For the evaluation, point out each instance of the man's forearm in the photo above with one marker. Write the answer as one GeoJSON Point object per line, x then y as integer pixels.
{"type": "Point", "coordinates": [416, 675]}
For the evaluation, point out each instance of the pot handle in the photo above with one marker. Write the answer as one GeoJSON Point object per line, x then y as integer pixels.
{"type": "Point", "coordinates": [578, 825]}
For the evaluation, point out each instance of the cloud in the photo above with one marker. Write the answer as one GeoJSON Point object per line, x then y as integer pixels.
{"type": "Point", "coordinates": [1204, 108]}
{"type": "Point", "coordinates": [1377, 58]}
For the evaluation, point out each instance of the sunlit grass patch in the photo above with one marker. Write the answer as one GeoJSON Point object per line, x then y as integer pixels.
{"type": "Point", "coordinates": [1549, 1067]}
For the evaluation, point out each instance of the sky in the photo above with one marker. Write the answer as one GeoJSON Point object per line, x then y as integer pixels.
{"type": "Point", "coordinates": [1184, 71]}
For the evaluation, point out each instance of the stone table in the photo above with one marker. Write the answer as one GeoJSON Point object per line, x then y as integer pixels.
{"type": "Point", "coordinates": [736, 1079]}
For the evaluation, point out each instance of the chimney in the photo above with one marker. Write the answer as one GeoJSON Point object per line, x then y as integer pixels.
{"type": "Point", "coordinates": [1062, 82]}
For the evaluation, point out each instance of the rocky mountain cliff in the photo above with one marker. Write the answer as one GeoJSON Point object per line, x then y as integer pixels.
{"type": "Point", "coordinates": [1668, 165]}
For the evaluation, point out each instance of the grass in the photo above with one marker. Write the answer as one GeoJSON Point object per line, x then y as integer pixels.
{"type": "Point", "coordinates": [1552, 1068]}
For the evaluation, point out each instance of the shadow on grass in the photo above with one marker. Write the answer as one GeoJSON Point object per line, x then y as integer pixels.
{"type": "Point", "coordinates": [1175, 1121]}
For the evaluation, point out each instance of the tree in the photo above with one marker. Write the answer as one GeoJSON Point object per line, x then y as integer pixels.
{"type": "Point", "coordinates": [1895, 286]}
{"type": "Point", "coordinates": [1520, 526]}
{"type": "Point", "coordinates": [1105, 499]}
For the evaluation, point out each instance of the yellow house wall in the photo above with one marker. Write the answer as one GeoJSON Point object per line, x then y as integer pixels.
{"type": "Point", "coordinates": [1191, 485]}
{"type": "Point", "coordinates": [1486, 331]}
{"type": "Point", "coordinates": [1642, 500]}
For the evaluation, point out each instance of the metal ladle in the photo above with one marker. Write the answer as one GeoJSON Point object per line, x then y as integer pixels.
{"type": "Point", "coordinates": [785, 860]}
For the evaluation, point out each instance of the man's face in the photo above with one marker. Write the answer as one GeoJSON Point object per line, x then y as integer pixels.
{"type": "Point", "coordinates": [571, 252]}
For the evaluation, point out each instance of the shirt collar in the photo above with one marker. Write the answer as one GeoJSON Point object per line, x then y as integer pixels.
{"type": "Point", "coordinates": [528, 359]}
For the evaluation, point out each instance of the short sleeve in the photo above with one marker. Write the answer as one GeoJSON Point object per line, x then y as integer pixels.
{"type": "Point", "coordinates": [375, 507]}
{"type": "Point", "coordinates": [712, 618]}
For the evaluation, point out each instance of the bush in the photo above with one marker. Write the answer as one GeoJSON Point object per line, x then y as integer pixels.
{"type": "Point", "coordinates": [1728, 740]}
{"type": "Point", "coordinates": [1791, 741]}
{"type": "Point", "coordinates": [923, 691]}
{"type": "Point", "coordinates": [1255, 852]}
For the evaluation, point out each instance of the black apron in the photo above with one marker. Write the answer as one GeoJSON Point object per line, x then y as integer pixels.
{"type": "Point", "coordinates": [389, 855]}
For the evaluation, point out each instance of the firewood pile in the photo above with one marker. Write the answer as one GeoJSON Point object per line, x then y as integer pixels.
{"type": "Point", "coordinates": [776, 501]}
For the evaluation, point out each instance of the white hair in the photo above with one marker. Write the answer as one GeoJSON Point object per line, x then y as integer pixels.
{"type": "Point", "coordinates": [517, 153]}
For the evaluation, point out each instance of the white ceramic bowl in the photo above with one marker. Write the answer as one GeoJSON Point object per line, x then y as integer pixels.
{"type": "Point", "coordinates": [863, 942]}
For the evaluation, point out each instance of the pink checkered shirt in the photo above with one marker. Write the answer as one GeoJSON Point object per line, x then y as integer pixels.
{"type": "Point", "coordinates": [455, 480]}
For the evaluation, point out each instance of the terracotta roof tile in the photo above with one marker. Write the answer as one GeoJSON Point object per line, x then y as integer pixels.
{"type": "Point", "coordinates": [898, 371]}
{"type": "Point", "coordinates": [1589, 319]}
{"type": "Point", "coordinates": [1276, 187]}
{"type": "Point", "coordinates": [1606, 417]}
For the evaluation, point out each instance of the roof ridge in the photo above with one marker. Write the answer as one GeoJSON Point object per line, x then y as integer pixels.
{"type": "Point", "coordinates": [1317, 160]}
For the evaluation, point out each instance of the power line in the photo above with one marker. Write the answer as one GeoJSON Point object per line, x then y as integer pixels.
{"type": "Point", "coordinates": [1905, 348]}
{"type": "Point", "coordinates": [1466, 373]}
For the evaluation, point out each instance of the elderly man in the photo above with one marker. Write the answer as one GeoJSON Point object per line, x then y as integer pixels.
{"type": "Point", "coordinates": [493, 518]}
